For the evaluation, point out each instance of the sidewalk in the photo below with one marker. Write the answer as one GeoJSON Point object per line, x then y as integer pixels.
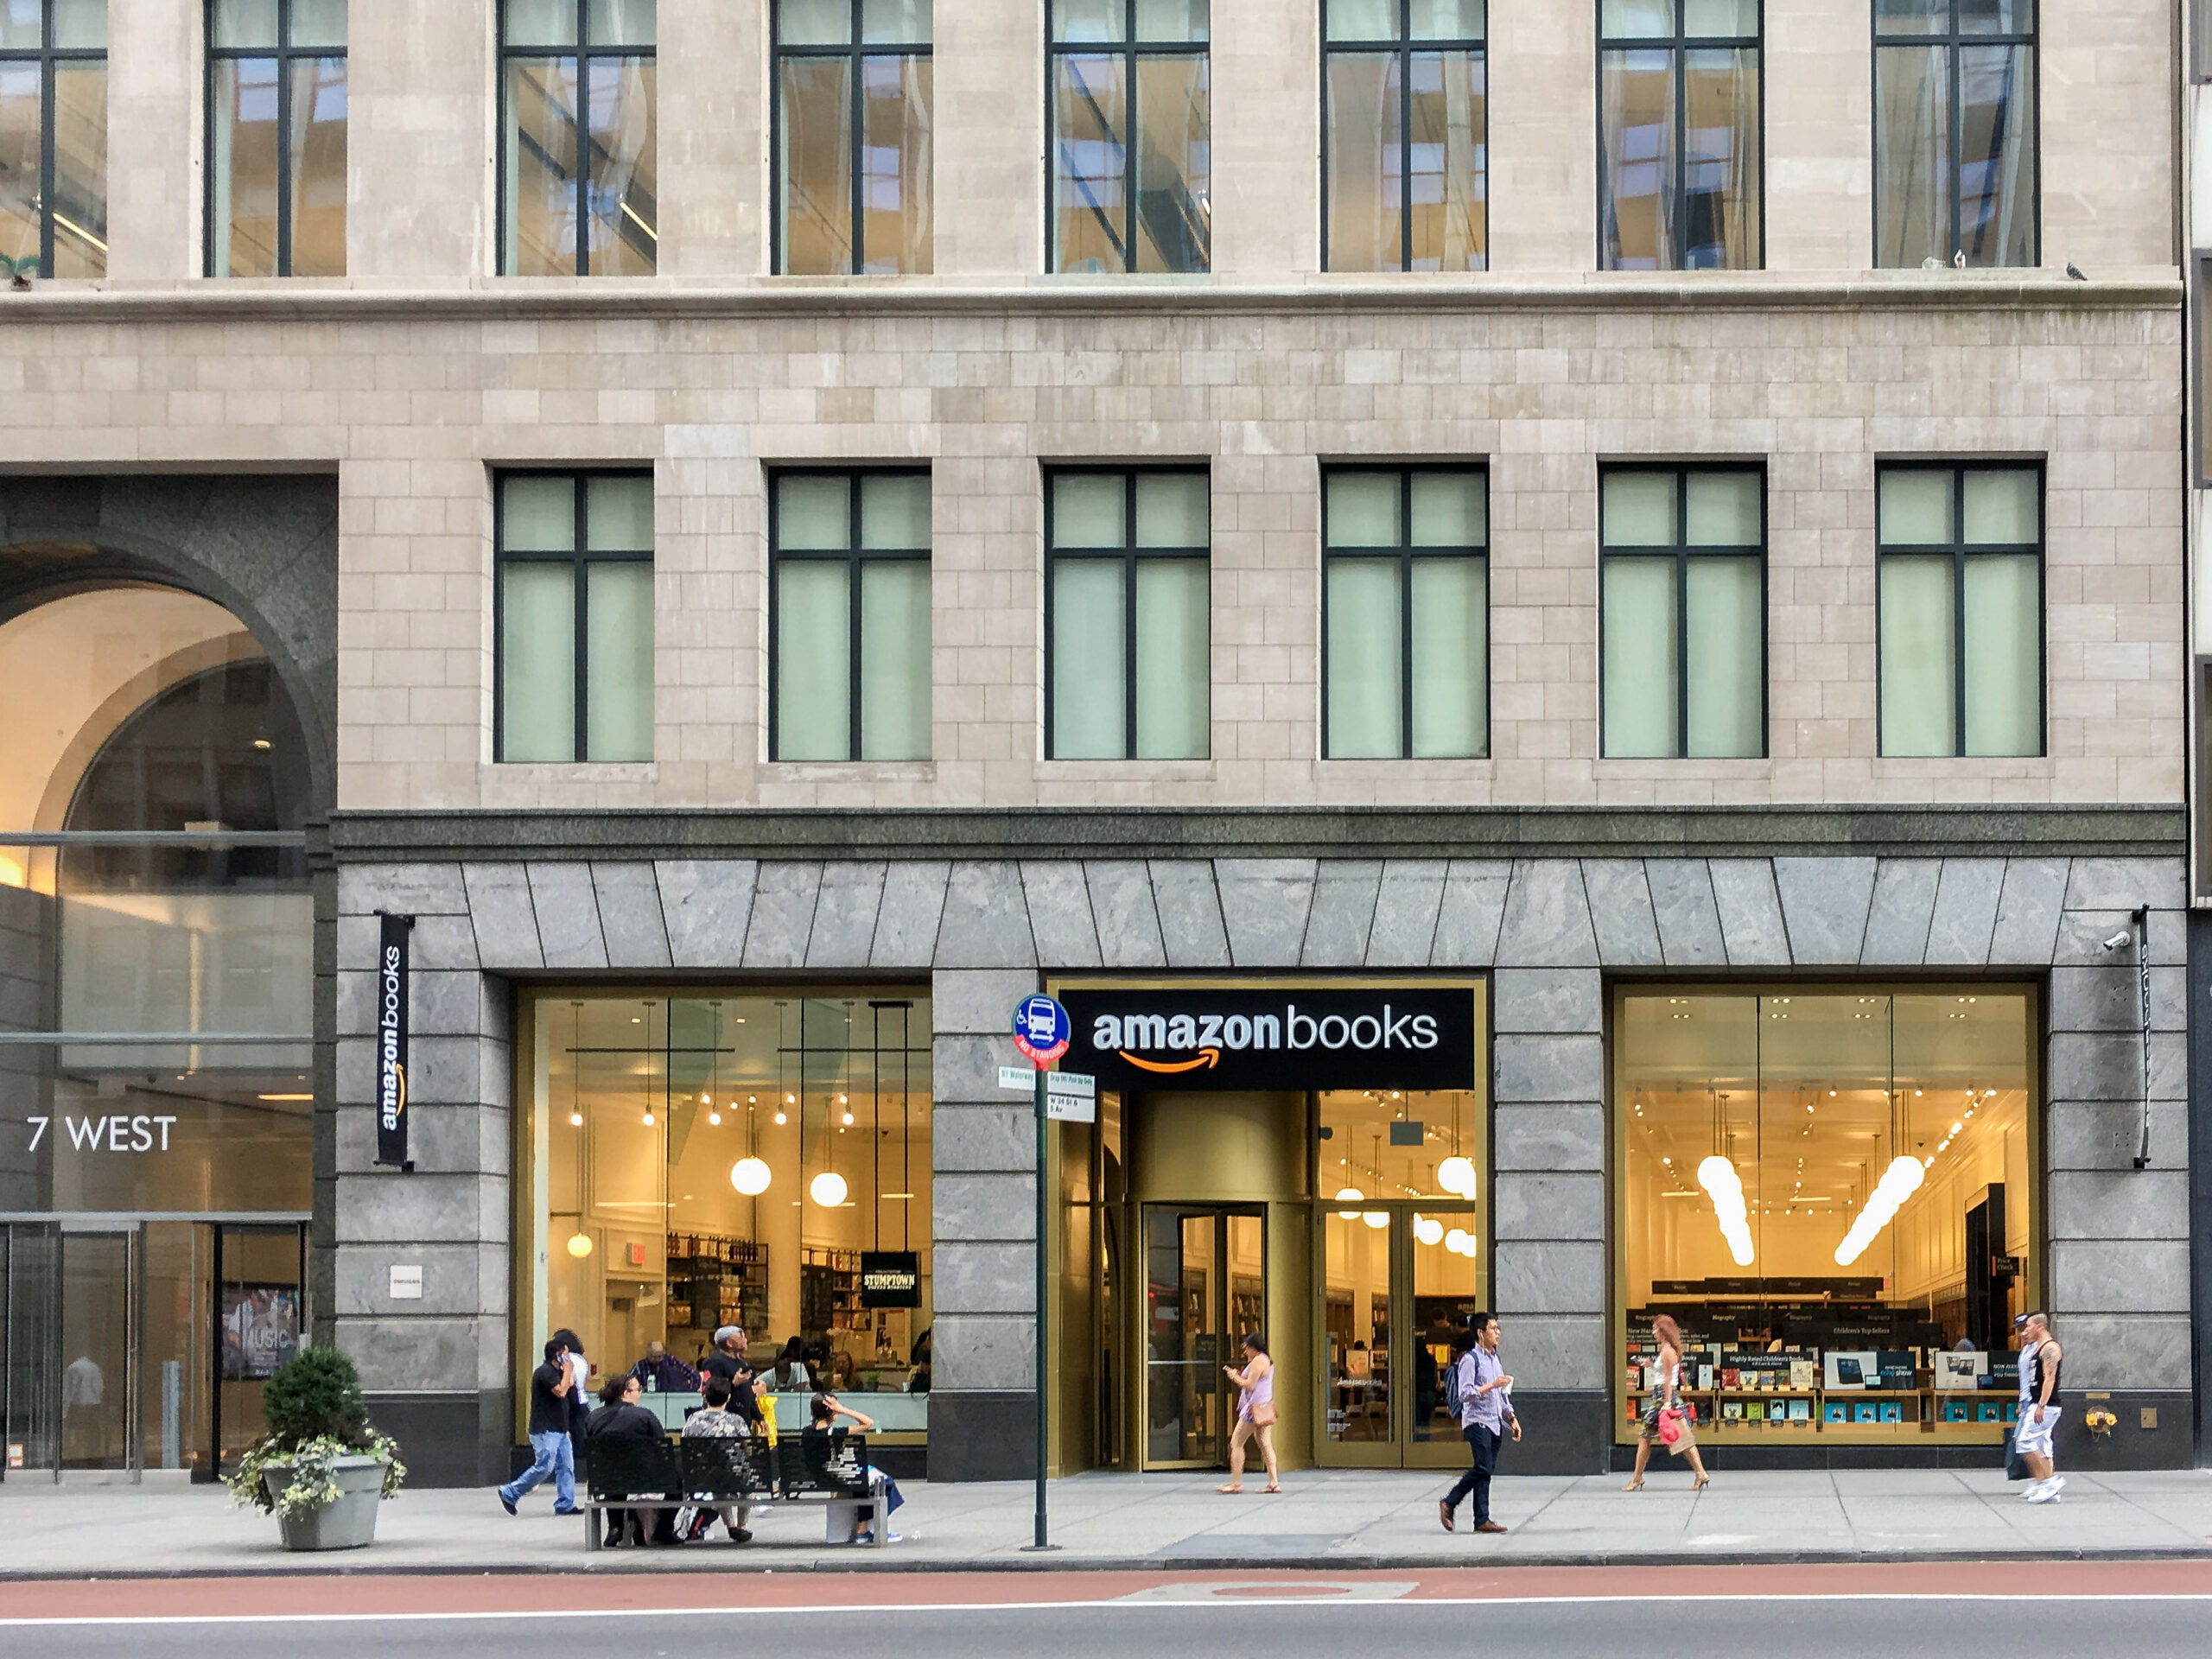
{"type": "Point", "coordinates": [1338, 1520]}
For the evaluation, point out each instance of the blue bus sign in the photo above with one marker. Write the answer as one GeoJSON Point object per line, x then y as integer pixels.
{"type": "Point", "coordinates": [1041, 1030]}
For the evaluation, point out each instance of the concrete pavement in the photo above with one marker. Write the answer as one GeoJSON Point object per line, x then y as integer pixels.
{"type": "Point", "coordinates": [1337, 1520]}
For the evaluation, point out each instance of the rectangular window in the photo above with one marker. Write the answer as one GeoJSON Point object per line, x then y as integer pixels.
{"type": "Point", "coordinates": [1954, 132]}
{"type": "Point", "coordinates": [54, 136]}
{"type": "Point", "coordinates": [578, 162]}
{"type": "Point", "coordinates": [575, 616]}
{"type": "Point", "coordinates": [853, 138]}
{"type": "Point", "coordinates": [1833, 1193]}
{"type": "Point", "coordinates": [276, 138]}
{"type": "Point", "coordinates": [765, 1150]}
{"type": "Point", "coordinates": [850, 622]}
{"type": "Point", "coordinates": [1405, 620]}
{"type": "Point", "coordinates": [1679, 184]}
{"type": "Point", "coordinates": [1406, 138]}
{"type": "Point", "coordinates": [1961, 598]}
{"type": "Point", "coordinates": [1128, 623]}
{"type": "Point", "coordinates": [1132, 122]}
{"type": "Point", "coordinates": [1682, 564]}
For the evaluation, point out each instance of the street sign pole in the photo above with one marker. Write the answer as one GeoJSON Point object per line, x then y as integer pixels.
{"type": "Point", "coordinates": [1041, 1031]}
{"type": "Point", "coordinates": [1043, 1349]}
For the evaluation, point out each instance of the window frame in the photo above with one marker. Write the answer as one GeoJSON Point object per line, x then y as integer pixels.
{"type": "Point", "coordinates": [1959, 551]}
{"type": "Point", "coordinates": [1129, 48]}
{"type": "Point", "coordinates": [49, 58]}
{"type": "Point", "coordinates": [1406, 553]}
{"type": "Point", "coordinates": [853, 556]}
{"type": "Point", "coordinates": [1677, 46]}
{"type": "Point", "coordinates": [1682, 553]}
{"type": "Point", "coordinates": [587, 55]}
{"type": "Point", "coordinates": [854, 51]}
{"type": "Point", "coordinates": [285, 55]}
{"type": "Point", "coordinates": [1130, 554]}
{"type": "Point", "coordinates": [1403, 48]}
{"type": "Point", "coordinates": [1952, 41]}
{"type": "Point", "coordinates": [579, 560]}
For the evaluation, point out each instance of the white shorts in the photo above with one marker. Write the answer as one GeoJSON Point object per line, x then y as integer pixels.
{"type": "Point", "coordinates": [2033, 1436]}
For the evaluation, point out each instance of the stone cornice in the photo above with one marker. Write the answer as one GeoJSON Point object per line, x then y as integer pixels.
{"type": "Point", "coordinates": [1278, 832]}
{"type": "Point", "coordinates": [486, 299]}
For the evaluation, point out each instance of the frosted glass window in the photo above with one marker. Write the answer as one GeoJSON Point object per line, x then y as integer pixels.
{"type": "Point", "coordinates": [1919, 655]}
{"type": "Point", "coordinates": [1090, 682]}
{"type": "Point", "coordinates": [575, 667]}
{"type": "Point", "coordinates": [1173, 660]}
{"type": "Point", "coordinates": [1129, 662]}
{"type": "Point", "coordinates": [620, 613]}
{"type": "Point", "coordinates": [1684, 638]}
{"type": "Point", "coordinates": [1406, 667]}
{"type": "Point", "coordinates": [1961, 653]}
{"type": "Point", "coordinates": [537, 661]}
{"type": "Point", "coordinates": [1640, 688]}
{"type": "Point", "coordinates": [851, 604]}
{"type": "Point", "coordinates": [813, 660]}
{"type": "Point", "coordinates": [1366, 665]}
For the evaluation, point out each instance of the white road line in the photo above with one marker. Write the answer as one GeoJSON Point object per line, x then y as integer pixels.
{"type": "Point", "coordinates": [1239, 1604]}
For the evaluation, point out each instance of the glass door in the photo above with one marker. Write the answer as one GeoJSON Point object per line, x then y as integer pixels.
{"type": "Point", "coordinates": [31, 1383]}
{"type": "Point", "coordinates": [99, 1337]}
{"type": "Point", "coordinates": [1399, 1282]}
{"type": "Point", "coordinates": [258, 1321]}
{"type": "Point", "coordinates": [1204, 1289]}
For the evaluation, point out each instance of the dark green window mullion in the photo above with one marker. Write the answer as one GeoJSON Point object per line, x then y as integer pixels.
{"type": "Point", "coordinates": [1405, 615]}
{"type": "Point", "coordinates": [1404, 51]}
{"type": "Point", "coordinates": [580, 580]}
{"type": "Point", "coordinates": [853, 523]}
{"type": "Point", "coordinates": [1129, 588]}
{"type": "Point", "coordinates": [1958, 593]}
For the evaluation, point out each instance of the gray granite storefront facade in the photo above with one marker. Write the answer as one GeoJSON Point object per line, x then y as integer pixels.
{"type": "Point", "coordinates": [1574, 902]}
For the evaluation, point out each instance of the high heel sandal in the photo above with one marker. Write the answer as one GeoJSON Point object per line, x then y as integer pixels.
{"type": "Point", "coordinates": [1700, 1482]}
{"type": "Point", "coordinates": [1635, 1485]}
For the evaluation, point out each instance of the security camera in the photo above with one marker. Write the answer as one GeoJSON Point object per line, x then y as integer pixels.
{"type": "Point", "coordinates": [2114, 942]}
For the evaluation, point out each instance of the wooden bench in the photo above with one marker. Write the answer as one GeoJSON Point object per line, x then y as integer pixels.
{"type": "Point", "coordinates": [669, 1474]}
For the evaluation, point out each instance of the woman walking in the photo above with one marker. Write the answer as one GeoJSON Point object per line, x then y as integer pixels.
{"type": "Point", "coordinates": [1256, 1412]}
{"type": "Point", "coordinates": [1666, 1395]}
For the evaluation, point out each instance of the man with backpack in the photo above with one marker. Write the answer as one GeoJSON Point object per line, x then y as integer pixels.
{"type": "Point", "coordinates": [1481, 1395]}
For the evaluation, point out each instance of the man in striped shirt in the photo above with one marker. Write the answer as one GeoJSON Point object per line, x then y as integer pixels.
{"type": "Point", "coordinates": [1484, 1396]}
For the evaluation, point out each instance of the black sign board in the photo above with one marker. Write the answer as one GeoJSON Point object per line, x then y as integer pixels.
{"type": "Point", "coordinates": [891, 1278]}
{"type": "Point", "coordinates": [1380, 1036]}
{"type": "Point", "coordinates": [391, 1039]}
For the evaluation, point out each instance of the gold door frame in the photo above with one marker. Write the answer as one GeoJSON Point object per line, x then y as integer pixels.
{"type": "Point", "coordinates": [1139, 1341]}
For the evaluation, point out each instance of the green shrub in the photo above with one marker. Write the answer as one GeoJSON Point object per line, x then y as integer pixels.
{"type": "Point", "coordinates": [317, 1393]}
{"type": "Point", "coordinates": [315, 1414]}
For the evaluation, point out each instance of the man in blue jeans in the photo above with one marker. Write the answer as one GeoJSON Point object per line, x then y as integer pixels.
{"type": "Point", "coordinates": [555, 1454]}
{"type": "Point", "coordinates": [1484, 1393]}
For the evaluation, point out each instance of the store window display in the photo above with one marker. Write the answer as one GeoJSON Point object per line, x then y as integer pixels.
{"type": "Point", "coordinates": [1833, 1191]}
{"type": "Point", "coordinates": [705, 1159]}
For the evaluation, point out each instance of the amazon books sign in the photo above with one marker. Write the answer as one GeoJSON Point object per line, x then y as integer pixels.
{"type": "Point", "coordinates": [1276, 1037]}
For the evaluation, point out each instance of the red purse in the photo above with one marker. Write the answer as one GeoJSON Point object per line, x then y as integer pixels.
{"type": "Point", "coordinates": [1670, 1426]}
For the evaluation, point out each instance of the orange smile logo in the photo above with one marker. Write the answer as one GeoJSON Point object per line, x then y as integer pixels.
{"type": "Point", "coordinates": [1206, 1057]}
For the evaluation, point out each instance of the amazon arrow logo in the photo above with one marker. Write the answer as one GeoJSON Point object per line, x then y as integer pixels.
{"type": "Point", "coordinates": [1206, 1058]}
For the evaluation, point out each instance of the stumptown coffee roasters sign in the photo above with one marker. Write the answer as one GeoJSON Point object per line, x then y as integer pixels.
{"type": "Point", "coordinates": [1278, 1036]}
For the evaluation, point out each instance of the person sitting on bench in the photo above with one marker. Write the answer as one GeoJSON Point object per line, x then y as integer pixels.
{"type": "Point", "coordinates": [620, 1419]}
{"type": "Point", "coordinates": [823, 1429]}
{"type": "Point", "coordinates": [716, 1421]}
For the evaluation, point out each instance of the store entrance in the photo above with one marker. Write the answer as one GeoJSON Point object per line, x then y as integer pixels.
{"type": "Point", "coordinates": [132, 1347]}
{"type": "Point", "coordinates": [1204, 1289]}
{"type": "Point", "coordinates": [1400, 1279]}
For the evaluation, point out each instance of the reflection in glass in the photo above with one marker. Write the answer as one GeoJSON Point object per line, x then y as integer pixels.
{"type": "Point", "coordinates": [276, 142]}
{"type": "Point", "coordinates": [1405, 152]}
{"type": "Point", "coordinates": [1681, 187]}
{"type": "Point", "coordinates": [579, 156]}
{"type": "Point", "coordinates": [53, 138]}
{"type": "Point", "coordinates": [1973, 88]}
{"type": "Point", "coordinates": [834, 219]}
{"type": "Point", "coordinates": [1132, 171]}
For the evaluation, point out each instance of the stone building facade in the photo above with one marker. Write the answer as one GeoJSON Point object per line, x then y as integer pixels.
{"type": "Point", "coordinates": [321, 457]}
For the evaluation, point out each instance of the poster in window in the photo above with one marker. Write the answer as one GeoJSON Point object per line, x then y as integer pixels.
{"type": "Point", "coordinates": [261, 1329]}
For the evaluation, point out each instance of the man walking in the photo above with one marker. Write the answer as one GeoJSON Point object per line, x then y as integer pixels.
{"type": "Point", "coordinates": [551, 1451]}
{"type": "Point", "coordinates": [1482, 1394]}
{"type": "Point", "coordinates": [2040, 1356]}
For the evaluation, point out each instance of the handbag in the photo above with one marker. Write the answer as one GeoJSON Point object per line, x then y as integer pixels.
{"type": "Point", "coordinates": [2016, 1466]}
{"type": "Point", "coordinates": [1670, 1426]}
{"type": "Point", "coordinates": [1263, 1414]}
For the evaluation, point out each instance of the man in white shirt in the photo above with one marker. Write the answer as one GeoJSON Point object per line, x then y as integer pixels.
{"type": "Point", "coordinates": [1484, 1393]}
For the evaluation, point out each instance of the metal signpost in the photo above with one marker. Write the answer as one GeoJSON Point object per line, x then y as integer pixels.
{"type": "Point", "coordinates": [1041, 1031]}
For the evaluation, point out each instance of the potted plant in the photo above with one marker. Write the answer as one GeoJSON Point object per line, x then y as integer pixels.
{"type": "Point", "coordinates": [321, 1469]}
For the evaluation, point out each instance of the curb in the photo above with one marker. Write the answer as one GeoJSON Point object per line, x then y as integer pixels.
{"type": "Point", "coordinates": [665, 1561]}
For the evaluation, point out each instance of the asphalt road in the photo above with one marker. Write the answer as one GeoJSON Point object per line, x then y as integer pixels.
{"type": "Point", "coordinates": [2142, 1611]}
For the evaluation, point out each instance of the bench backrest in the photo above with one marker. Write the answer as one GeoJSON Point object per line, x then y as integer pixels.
{"type": "Point", "coordinates": [833, 1464]}
{"type": "Point", "coordinates": [731, 1466]}
{"type": "Point", "coordinates": [625, 1468]}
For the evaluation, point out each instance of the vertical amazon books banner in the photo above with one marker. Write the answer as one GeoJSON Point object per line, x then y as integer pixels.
{"type": "Point", "coordinates": [391, 1039]}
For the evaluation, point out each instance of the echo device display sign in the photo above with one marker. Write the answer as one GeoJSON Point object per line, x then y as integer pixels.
{"type": "Point", "coordinates": [1277, 1036]}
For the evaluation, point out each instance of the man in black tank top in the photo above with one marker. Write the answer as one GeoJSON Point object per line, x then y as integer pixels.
{"type": "Point", "coordinates": [2040, 1406]}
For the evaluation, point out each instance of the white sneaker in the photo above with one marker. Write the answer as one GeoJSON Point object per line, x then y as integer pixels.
{"type": "Point", "coordinates": [2028, 1492]}
{"type": "Point", "coordinates": [2046, 1491]}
